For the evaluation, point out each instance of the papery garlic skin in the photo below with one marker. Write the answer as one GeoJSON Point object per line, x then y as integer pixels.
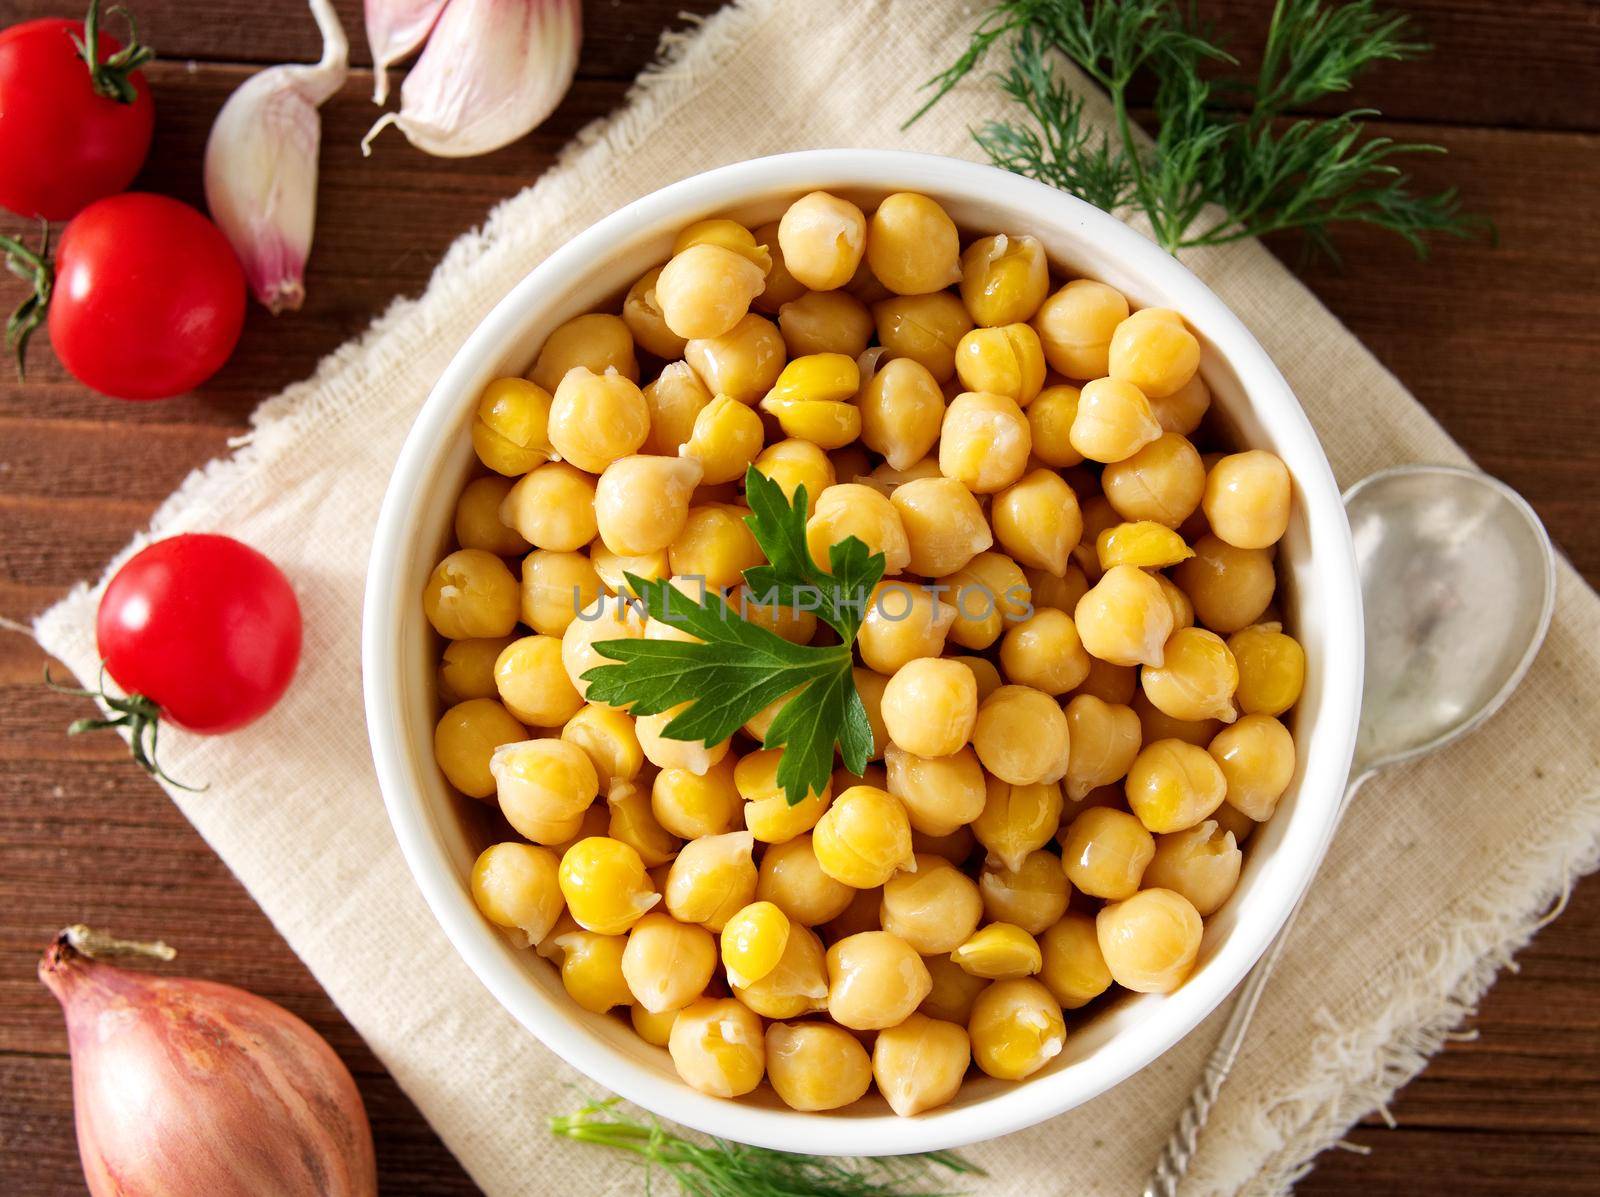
{"type": "Point", "coordinates": [261, 166]}
{"type": "Point", "coordinates": [394, 29]}
{"type": "Point", "coordinates": [491, 71]}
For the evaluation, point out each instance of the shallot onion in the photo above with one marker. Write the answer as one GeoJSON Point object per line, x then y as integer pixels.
{"type": "Point", "coordinates": [184, 1087]}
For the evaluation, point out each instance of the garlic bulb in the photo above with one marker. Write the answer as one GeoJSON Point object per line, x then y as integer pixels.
{"type": "Point", "coordinates": [491, 71]}
{"type": "Point", "coordinates": [261, 166]}
{"type": "Point", "coordinates": [394, 29]}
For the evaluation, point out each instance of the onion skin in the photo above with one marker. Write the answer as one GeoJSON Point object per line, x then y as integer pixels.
{"type": "Point", "coordinates": [184, 1088]}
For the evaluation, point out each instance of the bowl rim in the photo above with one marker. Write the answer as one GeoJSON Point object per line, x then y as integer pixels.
{"type": "Point", "coordinates": [1017, 1107]}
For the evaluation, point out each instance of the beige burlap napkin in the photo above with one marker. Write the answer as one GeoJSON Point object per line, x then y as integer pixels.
{"type": "Point", "coordinates": [1437, 877]}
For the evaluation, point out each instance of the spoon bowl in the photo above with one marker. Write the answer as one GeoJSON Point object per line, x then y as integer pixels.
{"type": "Point", "coordinates": [1458, 585]}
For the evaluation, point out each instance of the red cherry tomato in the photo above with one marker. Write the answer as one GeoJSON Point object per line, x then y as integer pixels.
{"type": "Point", "coordinates": [69, 134]}
{"type": "Point", "coordinates": [205, 627]}
{"type": "Point", "coordinates": [148, 298]}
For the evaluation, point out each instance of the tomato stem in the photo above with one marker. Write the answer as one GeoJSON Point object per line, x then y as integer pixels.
{"type": "Point", "coordinates": [113, 77]}
{"type": "Point", "coordinates": [33, 269]}
{"type": "Point", "coordinates": [140, 715]}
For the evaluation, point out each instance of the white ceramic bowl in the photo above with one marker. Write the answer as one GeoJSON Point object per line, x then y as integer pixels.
{"type": "Point", "coordinates": [399, 649]}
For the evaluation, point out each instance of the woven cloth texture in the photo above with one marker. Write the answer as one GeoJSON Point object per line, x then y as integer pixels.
{"type": "Point", "coordinates": [1441, 871]}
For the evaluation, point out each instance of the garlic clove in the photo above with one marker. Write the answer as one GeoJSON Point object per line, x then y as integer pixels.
{"type": "Point", "coordinates": [394, 29]}
{"type": "Point", "coordinates": [261, 166]}
{"type": "Point", "coordinates": [491, 71]}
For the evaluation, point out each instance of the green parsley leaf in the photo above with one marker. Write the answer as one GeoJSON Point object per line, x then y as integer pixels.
{"type": "Point", "coordinates": [735, 669]}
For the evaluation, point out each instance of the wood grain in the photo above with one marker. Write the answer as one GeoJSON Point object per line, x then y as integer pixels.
{"type": "Point", "coordinates": [1501, 343]}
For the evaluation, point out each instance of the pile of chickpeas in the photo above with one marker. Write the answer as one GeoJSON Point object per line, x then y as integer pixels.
{"type": "Point", "coordinates": [1074, 668]}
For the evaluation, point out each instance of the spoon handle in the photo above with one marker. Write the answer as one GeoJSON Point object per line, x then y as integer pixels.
{"type": "Point", "coordinates": [1179, 1151]}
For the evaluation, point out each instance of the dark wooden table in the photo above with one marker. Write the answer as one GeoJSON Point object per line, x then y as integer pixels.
{"type": "Point", "coordinates": [1502, 344]}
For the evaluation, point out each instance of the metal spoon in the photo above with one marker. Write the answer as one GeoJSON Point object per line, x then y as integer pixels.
{"type": "Point", "coordinates": [1458, 583]}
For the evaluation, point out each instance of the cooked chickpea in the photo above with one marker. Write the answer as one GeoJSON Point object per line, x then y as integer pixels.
{"type": "Point", "coordinates": [471, 595]}
{"type": "Point", "coordinates": [912, 245]}
{"type": "Point", "coordinates": [930, 706]}
{"type": "Point", "coordinates": [595, 419]}
{"type": "Point", "coordinates": [903, 622]}
{"type": "Point", "coordinates": [984, 442]}
{"type": "Point", "coordinates": [515, 887]}
{"type": "Point", "coordinates": [925, 328]}
{"type": "Point", "coordinates": [1032, 896]}
{"type": "Point", "coordinates": [591, 969]}
{"type": "Point", "coordinates": [1076, 324]}
{"type": "Point", "coordinates": [1021, 736]}
{"type": "Point", "coordinates": [741, 364]}
{"type": "Point", "coordinates": [1150, 941]}
{"type": "Point", "coordinates": [633, 823]}
{"type": "Point", "coordinates": [999, 951]}
{"type": "Point", "coordinates": [1125, 618]}
{"type": "Point", "coordinates": [1163, 482]}
{"type": "Point", "coordinates": [1098, 515]}
{"type": "Point", "coordinates": [715, 545]}
{"type": "Point", "coordinates": [1074, 970]}
{"type": "Point", "coordinates": [1196, 679]}
{"type": "Point", "coordinates": [953, 993]}
{"type": "Point", "coordinates": [1230, 587]}
{"type": "Point", "coordinates": [1115, 684]}
{"type": "Point", "coordinates": [614, 568]}
{"type": "Point", "coordinates": [604, 883]}
{"type": "Point", "coordinates": [985, 673]}
{"type": "Point", "coordinates": [1104, 739]}
{"type": "Point", "coordinates": [753, 942]}
{"type": "Point", "coordinates": [825, 322]}
{"type": "Point", "coordinates": [712, 879]}
{"type": "Point", "coordinates": [718, 1047]}
{"type": "Point", "coordinates": [706, 289]}
{"type": "Point", "coordinates": [1004, 279]}
{"type": "Point", "coordinates": [696, 804]}
{"type": "Point", "coordinates": [466, 669]}
{"type": "Point", "coordinates": [944, 525]}
{"type": "Point", "coordinates": [654, 1029]}
{"type": "Point", "coordinates": [1016, 1029]}
{"type": "Point", "coordinates": [823, 239]}
{"type": "Point", "coordinates": [607, 738]}
{"type": "Point", "coordinates": [1002, 361]}
{"type": "Point", "coordinates": [1173, 785]}
{"type": "Point", "coordinates": [1037, 521]}
{"type": "Point", "coordinates": [673, 401]}
{"type": "Point", "coordinates": [1104, 852]}
{"type": "Point", "coordinates": [863, 914]}
{"type": "Point", "coordinates": [792, 880]}
{"type": "Point", "coordinates": [555, 587]}
{"type": "Point", "coordinates": [942, 793]}
{"type": "Point", "coordinates": [1156, 724]}
{"type": "Point", "coordinates": [1257, 759]}
{"type": "Point", "coordinates": [782, 287]}
{"type": "Point", "coordinates": [601, 619]}
{"type": "Point", "coordinates": [642, 314]}
{"type": "Point", "coordinates": [875, 980]}
{"type": "Point", "coordinates": [478, 524]}
{"type": "Point", "coordinates": [768, 814]}
{"type": "Point", "coordinates": [1247, 499]}
{"type": "Point", "coordinates": [552, 506]}
{"type": "Point", "coordinates": [729, 234]}
{"type": "Point", "coordinates": [854, 509]}
{"type": "Point", "coordinates": [811, 399]}
{"type": "Point", "coordinates": [1016, 820]}
{"type": "Point", "coordinates": [797, 984]}
{"type": "Point", "coordinates": [667, 964]}
{"type": "Point", "coordinates": [1057, 592]}
{"type": "Point", "coordinates": [1272, 669]}
{"type": "Point", "coordinates": [1044, 652]}
{"type": "Point", "coordinates": [543, 787]}
{"type": "Point", "coordinates": [795, 463]}
{"type": "Point", "coordinates": [956, 847]}
{"type": "Point", "coordinates": [1153, 350]}
{"type": "Point", "coordinates": [1050, 419]}
{"type": "Point", "coordinates": [863, 837]}
{"type": "Point", "coordinates": [1113, 421]}
{"type": "Point", "coordinates": [510, 433]}
{"type": "Point", "coordinates": [533, 683]}
{"type": "Point", "coordinates": [816, 1066]}
{"type": "Point", "coordinates": [934, 908]}
{"type": "Point", "coordinates": [989, 594]}
{"type": "Point", "coordinates": [665, 752]}
{"type": "Point", "coordinates": [902, 409]}
{"type": "Point", "coordinates": [919, 1064]}
{"type": "Point", "coordinates": [1201, 863]}
{"type": "Point", "coordinates": [596, 343]}
{"type": "Point", "coordinates": [1182, 411]}
{"type": "Point", "coordinates": [642, 503]}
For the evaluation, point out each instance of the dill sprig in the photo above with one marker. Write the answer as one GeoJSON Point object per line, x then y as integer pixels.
{"type": "Point", "coordinates": [719, 1168]}
{"type": "Point", "coordinates": [1228, 158]}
